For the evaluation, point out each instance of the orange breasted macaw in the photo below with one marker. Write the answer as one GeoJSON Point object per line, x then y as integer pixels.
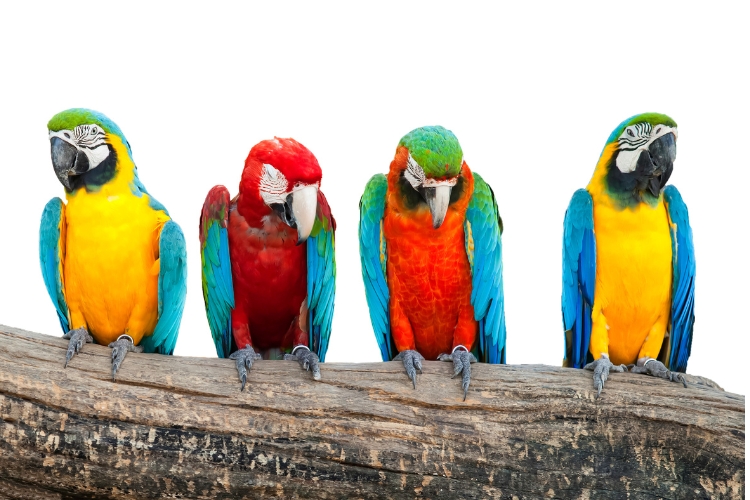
{"type": "Point", "coordinates": [113, 261]}
{"type": "Point", "coordinates": [628, 259]}
{"type": "Point", "coordinates": [267, 255]}
{"type": "Point", "coordinates": [429, 240]}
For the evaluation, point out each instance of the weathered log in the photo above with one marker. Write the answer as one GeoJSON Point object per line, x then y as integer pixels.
{"type": "Point", "coordinates": [180, 427]}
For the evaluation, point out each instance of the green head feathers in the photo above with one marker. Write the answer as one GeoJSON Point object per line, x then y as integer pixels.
{"type": "Point", "coordinates": [72, 118]}
{"type": "Point", "coordinates": [436, 150]}
{"type": "Point", "coordinates": [652, 119]}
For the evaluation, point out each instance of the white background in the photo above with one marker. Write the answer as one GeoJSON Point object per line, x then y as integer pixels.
{"type": "Point", "coordinates": [532, 90]}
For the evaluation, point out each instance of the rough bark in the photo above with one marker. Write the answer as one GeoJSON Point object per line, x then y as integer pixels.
{"type": "Point", "coordinates": [179, 427]}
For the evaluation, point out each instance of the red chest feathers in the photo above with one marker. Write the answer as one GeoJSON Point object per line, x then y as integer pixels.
{"type": "Point", "coordinates": [429, 275]}
{"type": "Point", "coordinates": [269, 271]}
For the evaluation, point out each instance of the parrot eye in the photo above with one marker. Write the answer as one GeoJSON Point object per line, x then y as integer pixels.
{"type": "Point", "coordinates": [658, 129]}
{"type": "Point", "coordinates": [630, 133]}
{"type": "Point", "coordinates": [67, 135]}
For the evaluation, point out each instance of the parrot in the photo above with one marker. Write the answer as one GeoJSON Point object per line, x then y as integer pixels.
{"type": "Point", "coordinates": [113, 261]}
{"type": "Point", "coordinates": [431, 254]}
{"type": "Point", "coordinates": [628, 294]}
{"type": "Point", "coordinates": [268, 263]}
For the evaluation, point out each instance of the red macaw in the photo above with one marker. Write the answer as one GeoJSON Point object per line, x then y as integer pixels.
{"type": "Point", "coordinates": [268, 260]}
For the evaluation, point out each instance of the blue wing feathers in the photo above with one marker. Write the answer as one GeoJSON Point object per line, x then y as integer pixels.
{"type": "Point", "coordinates": [579, 277]}
{"type": "Point", "coordinates": [172, 290]}
{"type": "Point", "coordinates": [371, 210]}
{"type": "Point", "coordinates": [216, 268]}
{"type": "Point", "coordinates": [683, 281]}
{"type": "Point", "coordinates": [484, 225]}
{"type": "Point", "coordinates": [51, 252]}
{"type": "Point", "coordinates": [321, 279]}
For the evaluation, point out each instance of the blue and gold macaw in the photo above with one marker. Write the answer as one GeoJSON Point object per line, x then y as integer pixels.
{"type": "Point", "coordinates": [628, 260]}
{"type": "Point", "coordinates": [113, 261]}
{"type": "Point", "coordinates": [431, 251]}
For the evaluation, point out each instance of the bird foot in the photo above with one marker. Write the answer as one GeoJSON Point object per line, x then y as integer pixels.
{"type": "Point", "coordinates": [244, 359]}
{"type": "Point", "coordinates": [601, 368]}
{"type": "Point", "coordinates": [307, 359]}
{"type": "Point", "coordinates": [412, 362]}
{"type": "Point", "coordinates": [655, 368]}
{"type": "Point", "coordinates": [77, 338]}
{"type": "Point", "coordinates": [462, 360]}
{"type": "Point", "coordinates": [120, 349]}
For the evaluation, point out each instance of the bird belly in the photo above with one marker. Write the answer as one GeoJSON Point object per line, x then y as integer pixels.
{"type": "Point", "coordinates": [633, 275]}
{"type": "Point", "coordinates": [429, 276]}
{"type": "Point", "coordinates": [111, 265]}
{"type": "Point", "coordinates": [269, 273]}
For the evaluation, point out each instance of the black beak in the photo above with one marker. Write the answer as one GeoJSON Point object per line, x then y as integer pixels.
{"type": "Point", "coordinates": [657, 162]}
{"type": "Point", "coordinates": [67, 161]}
{"type": "Point", "coordinates": [284, 210]}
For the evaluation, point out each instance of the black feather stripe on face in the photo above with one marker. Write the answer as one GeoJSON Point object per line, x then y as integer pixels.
{"type": "Point", "coordinates": [630, 188]}
{"type": "Point", "coordinates": [96, 177]}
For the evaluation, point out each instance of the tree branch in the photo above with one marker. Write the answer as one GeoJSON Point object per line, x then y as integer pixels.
{"type": "Point", "coordinates": [174, 426]}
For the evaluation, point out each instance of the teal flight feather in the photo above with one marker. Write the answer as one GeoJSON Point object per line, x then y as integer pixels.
{"type": "Point", "coordinates": [373, 256]}
{"type": "Point", "coordinates": [172, 290]}
{"type": "Point", "coordinates": [484, 248]}
{"type": "Point", "coordinates": [51, 252]}
{"type": "Point", "coordinates": [321, 278]}
{"type": "Point", "coordinates": [579, 278]}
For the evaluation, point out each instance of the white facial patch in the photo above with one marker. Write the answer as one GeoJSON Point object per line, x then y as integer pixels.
{"type": "Point", "coordinates": [273, 185]}
{"type": "Point", "coordinates": [635, 139]}
{"type": "Point", "coordinates": [88, 139]}
{"type": "Point", "coordinates": [414, 173]}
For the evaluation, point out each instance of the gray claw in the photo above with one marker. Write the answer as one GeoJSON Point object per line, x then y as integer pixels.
{"type": "Point", "coordinates": [307, 359]}
{"type": "Point", "coordinates": [244, 359]}
{"type": "Point", "coordinates": [656, 368]}
{"type": "Point", "coordinates": [77, 338]}
{"type": "Point", "coordinates": [412, 362]}
{"type": "Point", "coordinates": [462, 360]}
{"type": "Point", "coordinates": [601, 368]}
{"type": "Point", "coordinates": [120, 348]}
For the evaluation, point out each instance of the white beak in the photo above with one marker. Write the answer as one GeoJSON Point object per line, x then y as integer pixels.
{"type": "Point", "coordinates": [304, 209]}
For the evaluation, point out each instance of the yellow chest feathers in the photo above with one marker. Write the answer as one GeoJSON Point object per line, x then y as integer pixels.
{"type": "Point", "coordinates": [111, 264]}
{"type": "Point", "coordinates": [633, 265]}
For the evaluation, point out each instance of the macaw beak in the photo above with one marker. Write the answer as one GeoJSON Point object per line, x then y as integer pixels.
{"type": "Point", "coordinates": [438, 198]}
{"type": "Point", "coordinates": [658, 162]}
{"type": "Point", "coordinates": [299, 210]}
{"type": "Point", "coordinates": [67, 161]}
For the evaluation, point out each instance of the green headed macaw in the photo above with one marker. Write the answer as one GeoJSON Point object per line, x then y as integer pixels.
{"type": "Point", "coordinates": [628, 259]}
{"type": "Point", "coordinates": [429, 241]}
{"type": "Point", "coordinates": [113, 261]}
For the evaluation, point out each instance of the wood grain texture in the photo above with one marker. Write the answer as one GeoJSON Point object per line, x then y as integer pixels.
{"type": "Point", "coordinates": [179, 427]}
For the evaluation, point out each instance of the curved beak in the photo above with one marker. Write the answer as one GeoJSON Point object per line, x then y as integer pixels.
{"type": "Point", "coordinates": [438, 198]}
{"type": "Point", "coordinates": [304, 203]}
{"type": "Point", "coordinates": [67, 161]}
{"type": "Point", "coordinates": [299, 210]}
{"type": "Point", "coordinates": [659, 160]}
